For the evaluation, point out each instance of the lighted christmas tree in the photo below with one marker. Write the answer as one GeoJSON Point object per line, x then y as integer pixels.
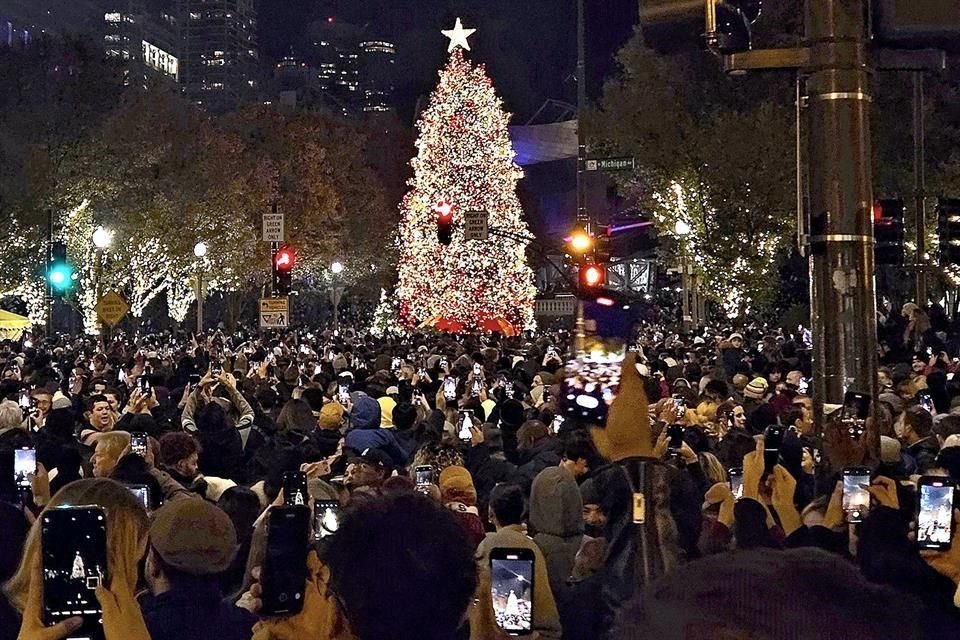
{"type": "Point", "coordinates": [465, 161]}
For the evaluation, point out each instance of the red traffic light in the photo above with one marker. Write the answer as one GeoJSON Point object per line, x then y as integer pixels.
{"type": "Point", "coordinates": [285, 259]}
{"type": "Point", "coordinates": [444, 211]}
{"type": "Point", "coordinates": [591, 275]}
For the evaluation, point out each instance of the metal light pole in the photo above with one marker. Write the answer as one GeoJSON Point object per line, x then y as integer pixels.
{"type": "Point", "coordinates": [681, 229]}
{"type": "Point", "coordinates": [583, 218]}
{"type": "Point", "coordinates": [200, 251]}
{"type": "Point", "coordinates": [101, 241]}
{"type": "Point", "coordinates": [336, 292]}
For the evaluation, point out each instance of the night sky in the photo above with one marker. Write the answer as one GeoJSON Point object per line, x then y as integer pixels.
{"type": "Point", "coordinates": [529, 47]}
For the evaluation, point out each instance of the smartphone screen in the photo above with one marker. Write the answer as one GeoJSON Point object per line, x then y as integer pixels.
{"type": "Point", "coordinates": [344, 394]}
{"type": "Point", "coordinates": [925, 400]}
{"type": "Point", "coordinates": [24, 399]}
{"type": "Point", "coordinates": [679, 407]}
{"type": "Point", "coordinates": [142, 493]}
{"type": "Point", "coordinates": [590, 386]}
{"type": "Point", "coordinates": [295, 488]}
{"type": "Point", "coordinates": [935, 514]}
{"type": "Point", "coordinates": [511, 572]}
{"type": "Point", "coordinates": [735, 477]}
{"type": "Point", "coordinates": [423, 475]}
{"type": "Point", "coordinates": [24, 463]}
{"type": "Point", "coordinates": [856, 499]}
{"type": "Point", "coordinates": [450, 388]}
{"type": "Point", "coordinates": [138, 444]}
{"type": "Point", "coordinates": [74, 549]}
{"type": "Point", "coordinates": [856, 410]}
{"type": "Point", "coordinates": [326, 518]}
{"type": "Point", "coordinates": [675, 437]}
{"type": "Point", "coordinates": [284, 572]}
{"type": "Point", "coordinates": [466, 422]}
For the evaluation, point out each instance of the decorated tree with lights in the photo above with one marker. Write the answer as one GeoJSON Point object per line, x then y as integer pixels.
{"type": "Point", "coordinates": [465, 163]}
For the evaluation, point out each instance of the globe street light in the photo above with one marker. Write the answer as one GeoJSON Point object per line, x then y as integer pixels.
{"type": "Point", "coordinates": [101, 238]}
{"type": "Point", "coordinates": [681, 228]}
{"type": "Point", "coordinates": [336, 292]}
{"type": "Point", "coordinates": [200, 250]}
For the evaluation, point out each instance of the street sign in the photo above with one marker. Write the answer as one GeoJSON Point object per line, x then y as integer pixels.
{"type": "Point", "coordinates": [475, 225]}
{"type": "Point", "coordinates": [111, 309]}
{"type": "Point", "coordinates": [610, 164]}
{"type": "Point", "coordinates": [274, 313]}
{"type": "Point", "coordinates": [273, 227]}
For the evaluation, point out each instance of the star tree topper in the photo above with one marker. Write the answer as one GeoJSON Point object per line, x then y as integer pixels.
{"type": "Point", "coordinates": [458, 36]}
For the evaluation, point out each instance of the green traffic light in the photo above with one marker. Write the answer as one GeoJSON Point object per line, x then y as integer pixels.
{"type": "Point", "coordinates": [60, 276]}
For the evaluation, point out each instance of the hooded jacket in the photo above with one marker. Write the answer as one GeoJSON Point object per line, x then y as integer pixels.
{"type": "Point", "coordinates": [556, 517]}
{"type": "Point", "coordinates": [366, 433]}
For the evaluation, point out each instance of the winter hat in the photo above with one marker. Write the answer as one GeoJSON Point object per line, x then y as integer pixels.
{"type": "Point", "coordinates": [366, 412]}
{"type": "Point", "coordinates": [735, 336]}
{"type": "Point", "coordinates": [511, 414]}
{"type": "Point", "coordinates": [60, 401]}
{"type": "Point", "coordinates": [339, 364]}
{"type": "Point", "coordinates": [386, 410]}
{"type": "Point", "coordinates": [194, 536]}
{"type": "Point", "coordinates": [456, 485]}
{"type": "Point", "coordinates": [889, 450]}
{"type": "Point", "coordinates": [331, 415]}
{"type": "Point", "coordinates": [740, 382]}
{"type": "Point", "coordinates": [895, 402]}
{"type": "Point", "coordinates": [756, 389]}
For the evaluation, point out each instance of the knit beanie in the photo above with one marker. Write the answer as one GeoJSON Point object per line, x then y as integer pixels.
{"type": "Point", "coordinates": [386, 410]}
{"type": "Point", "coordinates": [756, 389]}
{"type": "Point", "coordinates": [331, 416]}
{"type": "Point", "coordinates": [456, 485]}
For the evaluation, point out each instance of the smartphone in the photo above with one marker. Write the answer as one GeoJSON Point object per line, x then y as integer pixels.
{"type": "Point", "coordinates": [735, 477]}
{"type": "Point", "coordinates": [284, 572]}
{"type": "Point", "coordinates": [24, 464]}
{"type": "Point", "coordinates": [925, 400]}
{"type": "Point", "coordinates": [326, 518]}
{"type": "Point", "coordinates": [142, 493]}
{"type": "Point", "coordinates": [804, 387]}
{"type": "Point", "coordinates": [216, 370]}
{"type": "Point", "coordinates": [674, 437]}
{"type": "Point", "coordinates": [396, 364]}
{"type": "Point", "coordinates": [679, 407]}
{"type": "Point", "coordinates": [508, 390]}
{"type": "Point", "coordinates": [772, 439]}
{"type": "Point", "coordinates": [143, 385]}
{"type": "Point", "coordinates": [511, 586]}
{"type": "Point", "coordinates": [477, 369]}
{"type": "Point", "coordinates": [546, 394]}
{"type": "Point", "coordinates": [193, 380]}
{"type": "Point", "coordinates": [74, 556]}
{"type": "Point", "coordinates": [24, 399]}
{"type": "Point", "coordinates": [475, 390]}
{"type": "Point", "coordinates": [466, 422]}
{"type": "Point", "coordinates": [138, 444]}
{"type": "Point", "coordinates": [450, 388]}
{"type": "Point", "coordinates": [344, 394]}
{"type": "Point", "coordinates": [590, 386]}
{"type": "Point", "coordinates": [935, 512]}
{"type": "Point", "coordinates": [423, 475]}
{"type": "Point", "coordinates": [856, 499]}
{"type": "Point", "coordinates": [856, 410]}
{"type": "Point", "coordinates": [295, 488]}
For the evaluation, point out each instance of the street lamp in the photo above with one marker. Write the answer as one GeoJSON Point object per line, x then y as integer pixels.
{"type": "Point", "coordinates": [101, 238]}
{"type": "Point", "coordinates": [336, 292]}
{"type": "Point", "coordinates": [200, 250]}
{"type": "Point", "coordinates": [682, 229]}
{"type": "Point", "coordinates": [101, 241]}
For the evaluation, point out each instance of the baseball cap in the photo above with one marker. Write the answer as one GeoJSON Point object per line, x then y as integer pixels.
{"type": "Point", "coordinates": [373, 457]}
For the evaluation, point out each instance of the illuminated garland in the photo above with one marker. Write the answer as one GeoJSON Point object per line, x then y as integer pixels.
{"type": "Point", "coordinates": [465, 158]}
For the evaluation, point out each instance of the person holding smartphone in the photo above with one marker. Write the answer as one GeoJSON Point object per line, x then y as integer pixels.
{"type": "Point", "coordinates": [40, 602]}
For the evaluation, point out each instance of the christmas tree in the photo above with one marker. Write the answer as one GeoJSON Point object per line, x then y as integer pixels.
{"type": "Point", "coordinates": [465, 163]}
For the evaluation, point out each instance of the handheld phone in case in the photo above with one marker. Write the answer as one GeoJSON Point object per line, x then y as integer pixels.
{"type": "Point", "coordinates": [326, 518]}
{"type": "Point", "coordinates": [856, 410]}
{"type": "Point", "coordinates": [24, 464]}
{"type": "Point", "coordinates": [511, 573]}
{"type": "Point", "coordinates": [423, 475]}
{"type": "Point", "coordinates": [772, 439]}
{"type": "Point", "coordinates": [73, 541]}
{"type": "Point", "coordinates": [450, 388]}
{"type": "Point", "coordinates": [284, 572]}
{"type": "Point", "coordinates": [295, 488]}
{"type": "Point", "coordinates": [935, 512]}
{"type": "Point", "coordinates": [856, 499]}
{"type": "Point", "coordinates": [344, 394]}
{"type": "Point", "coordinates": [138, 444]}
{"type": "Point", "coordinates": [674, 437]}
{"type": "Point", "coordinates": [142, 493]}
{"type": "Point", "coordinates": [466, 422]}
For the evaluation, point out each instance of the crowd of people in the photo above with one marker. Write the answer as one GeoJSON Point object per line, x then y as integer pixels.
{"type": "Point", "coordinates": [425, 454]}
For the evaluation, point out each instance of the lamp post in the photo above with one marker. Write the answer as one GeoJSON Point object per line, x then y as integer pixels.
{"type": "Point", "coordinates": [200, 251]}
{"type": "Point", "coordinates": [336, 292]}
{"type": "Point", "coordinates": [101, 241]}
{"type": "Point", "coordinates": [682, 229]}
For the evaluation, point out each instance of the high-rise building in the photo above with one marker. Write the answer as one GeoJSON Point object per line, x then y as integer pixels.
{"type": "Point", "coordinates": [144, 35]}
{"type": "Point", "coordinates": [219, 62]}
{"type": "Point", "coordinates": [349, 67]}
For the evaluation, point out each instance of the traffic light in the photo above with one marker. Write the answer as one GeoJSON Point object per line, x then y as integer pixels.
{"type": "Point", "coordinates": [670, 26]}
{"type": "Point", "coordinates": [283, 263]}
{"type": "Point", "coordinates": [60, 274]}
{"type": "Point", "coordinates": [592, 277]}
{"type": "Point", "coordinates": [444, 211]}
{"type": "Point", "coordinates": [580, 242]}
{"type": "Point", "coordinates": [888, 232]}
{"type": "Point", "coordinates": [948, 226]}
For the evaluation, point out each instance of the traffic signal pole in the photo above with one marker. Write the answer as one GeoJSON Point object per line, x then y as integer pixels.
{"type": "Point", "coordinates": [842, 285]}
